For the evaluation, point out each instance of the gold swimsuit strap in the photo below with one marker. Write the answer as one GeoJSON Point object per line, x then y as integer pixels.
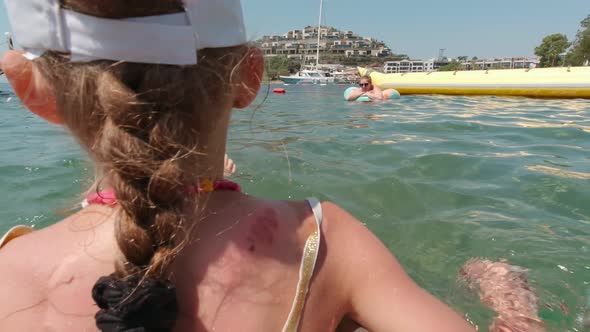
{"type": "Point", "coordinates": [308, 261]}
{"type": "Point", "coordinates": [13, 233]}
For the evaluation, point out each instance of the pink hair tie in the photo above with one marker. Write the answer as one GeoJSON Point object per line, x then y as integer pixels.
{"type": "Point", "coordinates": [106, 197]}
{"type": "Point", "coordinates": [227, 185]}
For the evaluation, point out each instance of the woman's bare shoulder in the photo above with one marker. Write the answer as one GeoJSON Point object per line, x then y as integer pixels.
{"type": "Point", "coordinates": [341, 226]}
{"type": "Point", "coordinates": [55, 267]}
{"type": "Point", "coordinates": [89, 223]}
{"type": "Point", "coordinates": [86, 234]}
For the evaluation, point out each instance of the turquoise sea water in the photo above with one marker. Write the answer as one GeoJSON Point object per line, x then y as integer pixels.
{"type": "Point", "coordinates": [439, 179]}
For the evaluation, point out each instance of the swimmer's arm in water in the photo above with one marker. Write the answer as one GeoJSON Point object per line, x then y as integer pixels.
{"type": "Point", "coordinates": [381, 296]}
{"type": "Point", "coordinates": [375, 94]}
{"type": "Point", "coordinates": [355, 94]}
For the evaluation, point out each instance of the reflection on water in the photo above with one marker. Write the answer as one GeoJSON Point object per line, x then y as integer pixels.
{"type": "Point", "coordinates": [439, 179]}
{"type": "Point", "coordinates": [560, 172]}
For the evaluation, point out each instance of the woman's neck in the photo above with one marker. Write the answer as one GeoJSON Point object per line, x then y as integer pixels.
{"type": "Point", "coordinates": [204, 162]}
{"type": "Point", "coordinates": [208, 161]}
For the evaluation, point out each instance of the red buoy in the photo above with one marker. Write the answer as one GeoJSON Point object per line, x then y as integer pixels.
{"type": "Point", "coordinates": [279, 90]}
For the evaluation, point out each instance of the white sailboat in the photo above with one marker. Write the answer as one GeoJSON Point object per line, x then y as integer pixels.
{"type": "Point", "coordinates": [312, 74]}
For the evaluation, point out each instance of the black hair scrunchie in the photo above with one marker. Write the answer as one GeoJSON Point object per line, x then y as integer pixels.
{"type": "Point", "coordinates": [129, 306]}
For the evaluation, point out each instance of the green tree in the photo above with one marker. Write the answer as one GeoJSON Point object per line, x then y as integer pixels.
{"type": "Point", "coordinates": [396, 57]}
{"type": "Point", "coordinates": [452, 66]}
{"type": "Point", "coordinates": [551, 49]}
{"type": "Point", "coordinates": [462, 58]}
{"type": "Point", "coordinates": [279, 65]}
{"type": "Point", "coordinates": [580, 51]}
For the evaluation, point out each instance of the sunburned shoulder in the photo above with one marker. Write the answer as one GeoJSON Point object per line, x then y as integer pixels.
{"type": "Point", "coordinates": [269, 229]}
{"type": "Point", "coordinates": [272, 225]}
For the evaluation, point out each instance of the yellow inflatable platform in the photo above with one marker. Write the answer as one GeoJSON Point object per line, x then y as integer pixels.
{"type": "Point", "coordinates": [562, 82]}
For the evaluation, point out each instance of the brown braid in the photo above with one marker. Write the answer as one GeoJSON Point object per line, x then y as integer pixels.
{"type": "Point", "coordinates": [142, 124]}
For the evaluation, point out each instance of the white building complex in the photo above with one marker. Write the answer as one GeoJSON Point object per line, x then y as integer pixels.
{"type": "Point", "coordinates": [501, 63]}
{"type": "Point", "coordinates": [417, 66]}
{"type": "Point", "coordinates": [303, 44]}
{"type": "Point", "coordinates": [413, 66]}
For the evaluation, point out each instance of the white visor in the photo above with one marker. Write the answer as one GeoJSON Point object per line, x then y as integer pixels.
{"type": "Point", "coordinates": [43, 25]}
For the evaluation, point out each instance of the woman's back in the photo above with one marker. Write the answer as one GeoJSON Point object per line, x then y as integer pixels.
{"type": "Point", "coordinates": [243, 265]}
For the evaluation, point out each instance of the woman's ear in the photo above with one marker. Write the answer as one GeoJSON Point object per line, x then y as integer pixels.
{"type": "Point", "coordinates": [30, 87]}
{"type": "Point", "coordinates": [251, 69]}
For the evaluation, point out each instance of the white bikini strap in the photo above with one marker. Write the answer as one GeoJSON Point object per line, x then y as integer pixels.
{"type": "Point", "coordinates": [316, 207]}
{"type": "Point", "coordinates": [308, 261]}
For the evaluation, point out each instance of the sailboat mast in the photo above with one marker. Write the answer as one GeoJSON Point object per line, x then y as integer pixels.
{"type": "Point", "coordinates": [317, 59]}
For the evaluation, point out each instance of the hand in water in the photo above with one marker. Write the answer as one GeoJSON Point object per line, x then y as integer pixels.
{"type": "Point", "coordinates": [504, 288]}
{"type": "Point", "coordinates": [229, 167]}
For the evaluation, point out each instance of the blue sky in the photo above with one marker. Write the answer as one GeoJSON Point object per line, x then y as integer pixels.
{"type": "Point", "coordinates": [421, 28]}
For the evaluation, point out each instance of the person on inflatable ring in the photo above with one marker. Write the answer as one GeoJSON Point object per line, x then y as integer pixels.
{"type": "Point", "coordinates": [366, 89]}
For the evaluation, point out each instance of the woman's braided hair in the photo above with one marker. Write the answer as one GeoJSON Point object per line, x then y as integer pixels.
{"type": "Point", "coordinates": [141, 123]}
